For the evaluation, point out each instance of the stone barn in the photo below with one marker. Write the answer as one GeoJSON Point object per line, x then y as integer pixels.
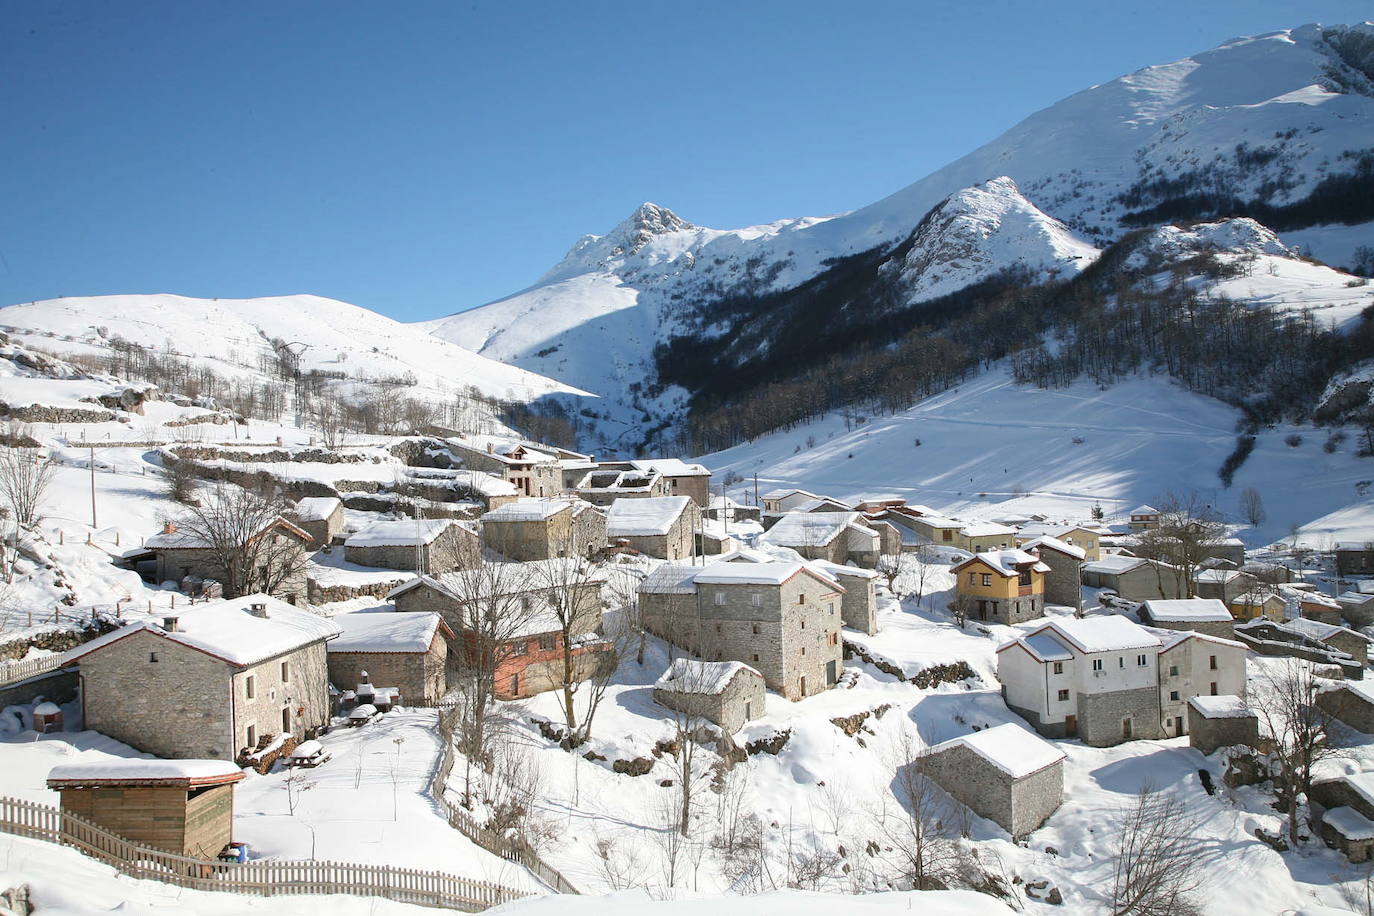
{"type": "Point", "coordinates": [321, 517]}
{"type": "Point", "coordinates": [1064, 581]}
{"type": "Point", "coordinates": [663, 527]}
{"type": "Point", "coordinates": [1005, 773]}
{"type": "Point", "coordinates": [1221, 721]}
{"type": "Point", "coordinates": [184, 807]}
{"type": "Point", "coordinates": [1204, 615]}
{"type": "Point", "coordinates": [181, 555]}
{"type": "Point", "coordinates": [1352, 702]}
{"type": "Point", "coordinates": [859, 604]}
{"type": "Point", "coordinates": [726, 693]}
{"type": "Point", "coordinates": [1347, 813]}
{"type": "Point", "coordinates": [426, 545]}
{"type": "Point", "coordinates": [542, 529]}
{"type": "Point", "coordinates": [406, 651]}
{"type": "Point", "coordinates": [839, 537]}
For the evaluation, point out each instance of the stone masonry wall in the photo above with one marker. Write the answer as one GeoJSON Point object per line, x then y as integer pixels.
{"type": "Point", "coordinates": [1209, 734]}
{"type": "Point", "coordinates": [306, 685]}
{"type": "Point", "coordinates": [421, 676]}
{"type": "Point", "coordinates": [859, 605]}
{"type": "Point", "coordinates": [1063, 583]}
{"type": "Point", "coordinates": [1035, 797]}
{"type": "Point", "coordinates": [1100, 715]}
{"type": "Point", "coordinates": [449, 550]}
{"type": "Point", "coordinates": [1350, 708]}
{"type": "Point", "coordinates": [177, 707]}
{"type": "Point", "coordinates": [972, 781]}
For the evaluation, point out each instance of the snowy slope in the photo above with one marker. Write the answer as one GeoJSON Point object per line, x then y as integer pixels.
{"type": "Point", "coordinates": [992, 448]}
{"type": "Point", "coordinates": [231, 334]}
{"type": "Point", "coordinates": [1263, 118]}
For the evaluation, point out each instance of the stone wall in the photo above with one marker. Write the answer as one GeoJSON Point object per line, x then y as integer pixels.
{"type": "Point", "coordinates": [421, 676]}
{"type": "Point", "coordinates": [859, 604]}
{"type": "Point", "coordinates": [741, 700]}
{"type": "Point", "coordinates": [306, 685]}
{"type": "Point", "coordinates": [455, 548]}
{"type": "Point", "coordinates": [1348, 706]}
{"type": "Point", "coordinates": [1064, 582]}
{"type": "Point", "coordinates": [1100, 716]}
{"type": "Point", "coordinates": [1207, 734]}
{"type": "Point", "coordinates": [57, 687]}
{"type": "Point", "coordinates": [179, 706]}
{"type": "Point", "coordinates": [1145, 583]}
{"type": "Point", "coordinates": [1035, 797]}
{"type": "Point", "coordinates": [525, 542]}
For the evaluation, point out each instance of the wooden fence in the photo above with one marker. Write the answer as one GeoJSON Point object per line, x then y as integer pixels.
{"type": "Point", "coordinates": [14, 672]}
{"type": "Point", "coordinates": [266, 879]}
{"type": "Point", "coordinates": [511, 849]}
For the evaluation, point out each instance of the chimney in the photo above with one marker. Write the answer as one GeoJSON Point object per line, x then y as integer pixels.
{"type": "Point", "coordinates": [169, 528]}
{"type": "Point", "coordinates": [491, 447]}
{"type": "Point", "coordinates": [170, 624]}
{"type": "Point", "coordinates": [258, 609]}
{"type": "Point", "coordinates": [362, 678]}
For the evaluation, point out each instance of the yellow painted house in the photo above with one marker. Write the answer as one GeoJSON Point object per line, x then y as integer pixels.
{"type": "Point", "coordinates": [1003, 585]}
{"type": "Point", "coordinates": [1254, 605]}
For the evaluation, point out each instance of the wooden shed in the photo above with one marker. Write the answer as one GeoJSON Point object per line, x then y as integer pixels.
{"type": "Point", "coordinates": [181, 806]}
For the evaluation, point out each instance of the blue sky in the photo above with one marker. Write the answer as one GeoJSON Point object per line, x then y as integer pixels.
{"type": "Point", "coordinates": [419, 158]}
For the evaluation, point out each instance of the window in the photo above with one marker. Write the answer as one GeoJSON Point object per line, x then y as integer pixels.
{"type": "Point", "coordinates": [519, 648]}
{"type": "Point", "coordinates": [1121, 662]}
{"type": "Point", "coordinates": [756, 656]}
{"type": "Point", "coordinates": [987, 579]}
{"type": "Point", "coordinates": [152, 657]}
{"type": "Point", "coordinates": [547, 642]}
{"type": "Point", "coordinates": [720, 598]}
{"type": "Point", "coordinates": [803, 624]}
{"type": "Point", "coordinates": [286, 672]}
{"type": "Point", "coordinates": [248, 687]}
{"type": "Point", "coordinates": [801, 599]}
{"type": "Point", "coordinates": [1063, 696]}
{"type": "Point", "coordinates": [1212, 662]}
{"type": "Point", "coordinates": [1173, 695]}
{"type": "Point", "coordinates": [834, 639]}
{"type": "Point", "coordinates": [526, 602]}
{"type": "Point", "coordinates": [1058, 667]}
{"type": "Point", "coordinates": [1140, 661]}
{"type": "Point", "coordinates": [756, 629]}
{"type": "Point", "coordinates": [515, 683]}
{"type": "Point", "coordinates": [803, 650]}
{"type": "Point", "coordinates": [1023, 577]}
{"type": "Point", "coordinates": [252, 736]}
{"type": "Point", "coordinates": [286, 720]}
{"type": "Point", "coordinates": [1097, 664]}
{"type": "Point", "coordinates": [946, 535]}
{"type": "Point", "coordinates": [1173, 671]}
{"type": "Point", "coordinates": [1214, 688]}
{"type": "Point", "coordinates": [756, 599]}
{"type": "Point", "coordinates": [717, 628]}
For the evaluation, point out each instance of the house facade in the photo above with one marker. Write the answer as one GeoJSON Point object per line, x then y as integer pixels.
{"type": "Point", "coordinates": [728, 694]}
{"type": "Point", "coordinates": [426, 545]}
{"type": "Point", "coordinates": [405, 651]}
{"type": "Point", "coordinates": [1355, 558]}
{"type": "Point", "coordinates": [1135, 578]}
{"type": "Point", "coordinates": [1003, 773]}
{"type": "Point", "coordinates": [211, 681]}
{"type": "Point", "coordinates": [663, 527]}
{"type": "Point", "coordinates": [681, 478]}
{"type": "Point", "coordinates": [602, 487]}
{"type": "Point", "coordinates": [321, 517]}
{"type": "Point", "coordinates": [837, 537]}
{"type": "Point", "coordinates": [859, 604]}
{"type": "Point", "coordinates": [1007, 586]}
{"type": "Point", "coordinates": [181, 555]}
{"type": "Point", "coordinates": [1064, 581]}
{"type": "Point", "coordinates": [542, 529]}
{"type": "Point", "coordinates": [1143, 518]}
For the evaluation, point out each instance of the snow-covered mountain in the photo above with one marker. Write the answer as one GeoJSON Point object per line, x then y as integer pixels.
{"type": "Point", "coordinates": [232, 337]}
{"type": "Point", "coordinates": [1279, 126]}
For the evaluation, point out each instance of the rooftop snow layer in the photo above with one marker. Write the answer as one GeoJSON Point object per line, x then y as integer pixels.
{"type": "Point", "coordinates": [528, 510]}
{"type": "Point", "coordinates": [670, 467]}
{"type": "Point", "coordinates": [1318, 630]}
{"type": "Point", "coordinates": [227, 629]}
{"type": "Point", "coordinates": [1112, 564]}
{"type": "Point", "coordinates": [808, 529]}
{"type": "Point", "coordinates": [671, 579]}
{"type": "Point", "coordinates": [1009, 747]}
{"type": "Point", "coordinates": [1005, 562]}
{"type": "Point", "coordinates": [771, 573]}
{"type": "Point", "coordinates": [644, 517]}
{"type": "Point", "coordinates": [1053, 543]}
{"type": "Point", "coordinates": [1225, 706]}
{"type": "Point", "coordinates": [1104, 634]}
{"type": "Point", "coordinates": [385, 631]}
{"type": "Point", "coordinates": [687, 675]}
{"type": "Point", "coordinates": [835, 569]}
{"type": "Point", "coordinates": [986, 529]}
{"type": "Point", "coordinates": [401, 533]}
{"type": "Point", "coordinates": [137, 769]}
{"type": "Point", "coordinates": [317, 508]}
{"type": "Point", "coordinates": [1191, 610]}
{"type": "Point", "coordinates": [1349, 823]}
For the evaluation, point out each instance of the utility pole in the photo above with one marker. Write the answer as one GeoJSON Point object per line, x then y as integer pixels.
{"type": "Point", "coordinates": [92, 486]}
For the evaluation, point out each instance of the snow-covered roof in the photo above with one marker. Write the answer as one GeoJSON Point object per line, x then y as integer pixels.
{"type": "Point", "coordinates": [986, 529]}
{"type": "Point", "coordinates": [687, 675]}
{"type": "Point", "coordinates": [119, 770]}
{"type": "Point", "coordinates": [529, 510]}
{"type": "Point", "coordinates": [835, 569]}
{"type": "Point", "coordinates": [1225, 706]}
{"type": "Point", "coordinates": [1307, 596]}
{"type": "Point", "coordinates": [185, 540]}
{"type": "Point", "coordinates": [612, 481]}
{"type": "Point", "coordinates": [1014, 750]}
{"type": "Point", "coordinates": [1349, 823]}
{"type": "Point", "coordinates": [1053, 543]}
{"type": "Point", "coordinates": [671, 579]}
{"type": "Point", "coordinates": [784, 493]}
{"type": "Point", "coordinates": [406, 532]}
{"type": "Point", "coordinates": [1004, 562]}
{"type": "Point", "coordinates": [1218, 576]}
{"type": "Point", "coordinates": [1171, 639]}
{"type": "Point", "coordinates": [228, 630]}
{"type": "Point", "coordinates": [772, 573]}
{"type": "Point", "coordinates": [482, 483]}
{"type": "Point", "coordinates": [505, 579]}
{"type": "Point", "coordinates": [317, 508]}
{"type": "Point", "coordinates": [1318, 630]}
{"type": "Point", "coordinates": [937, 521]}
{"type": "Point", "coordinates": [1103, 634]}
{"type": "Point", "coordinates": [1113, 564]}
{"type": "Point", "coordinates": [1187, 610]}
{"type": "Point", "coordinates": [820, 502]}
{"type": "Point", "coordinates": [385, 631]}
{"type": "Point", "coordinates": [1257, 598]}
{"type": "Point", "coordinates": [646, 517]}
{"type": "Point", "coordinates": [1355, 597]}
{"type": "Point", "coordinates": [1047, 648]}
{"type": "Point", "coordinates": [1144, 510]}
{"type": "Point", "coordinates": [670, 467]}
{"type": "Point", "coordinates": [809, 529]}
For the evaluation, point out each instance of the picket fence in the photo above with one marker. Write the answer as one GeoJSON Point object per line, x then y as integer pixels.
{"type": "Point", "coordinates": [511, 849]}
{"type": "Point", "coordinates": [266, 879]}
{"type": "Point", "coordinates": [14, 672]}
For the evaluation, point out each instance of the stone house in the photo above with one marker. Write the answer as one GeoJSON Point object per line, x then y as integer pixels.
{"type": "Point", "coordinates": [1221, 721]}
{"type": "Point", "coordinates": [426, 545]}
{"type": "Point", "coordinates": [180, 555]}
{"type": "Point", "coordinates": [210, 681]}
{"type": "Point", "coordinates": [1004, 773]}
{"type": "Point", "coordinates": [1203, 615]}
{"type": "Point", "coordinates": [1007, 586]}
{"type": "Point", "coordinates": [1342, 639]}
{"type": "Point", "coordinates": [680, 477]}
{"type": "Point", "coordinates": [726, 693]}
{"type": "Point", "coordinates": [1088, 540]}
{"type": "Point", "coordinates": [1143, 518]}
{"type": "Point", "coordinates": [1352, 702]}
{"type": "Point", "coordinates": [778, 502]}
{"type": "Point", "coordinates": [1108, 680]}
{"type": "Point", "coordinates": [1355, 558]}
{"type": "Point", "coordinates": [1064, 581]}
{"type": "Point", "coordinates": [405, 651]}
{"type": "Point", "coordinates": [321, 517]}
{"type": "Point", "coordinates": [1313, 605]}
{"type": "Point", "coordinates": [1254, 605]}
{"type": "Point", "coordinates": [859, 604]}
{"type": "Point", "coordinates": [1346, 806]}
{"type": "Point", "coordinates": [535, 470]}
{"type": "Point", "coordinates": [725, 509]}
{"type": "Point", "coordinates": [185, 807]}
{"type": "Point", "coordinates": [542, 529]}
{"type": "Point", "coordinates": [663, 526]}
{"type": "Point", "coordinates": [1357, 608]}
{"type": "Point", "coordinates": [1135, 578]}
{"type": "Point", "coordinates": [839, 537]}
{"type": "Point", "coordinates": [780, 618]}
{"type": "Point", "coordinates": [601, 487]}
{"type": "Point", "coordinates": [1282, 640]}
{"type": "Point", "coordinates": [978, 537]}
{"type": "Point", "coordinates": [1223, 584]}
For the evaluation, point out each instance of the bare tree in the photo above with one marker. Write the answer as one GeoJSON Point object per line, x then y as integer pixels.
{"type": "Point", "coordinates": [251, 547]}
{"type": "Point", "coordinates": [918, 845]}
{"type": "Point", "coordinates": [572, 594]}
{"type": "Point", "coordinates": [1286, 703]}
{"type": "Point", "coordinates": [960, 608]}
{"type": "Point", "coordinates": [181, 479]}
{"type": "Point", "coordinates": [1252, 506]}
{"type": "Point", "coordinates": [692, 684]}
{"type": "Point", "coordinates": [1158, 867]}
{"type": "Point", "coordinates": [1189, 532]}
{"type": "Point", "coordinates": [925, 556]}
{"type": "Point", "coordinates": [329, 416]}
{"type": "Point", "coordinates": [890, 568]}
{"type": "Point", "coordinates": [295, 785]}
{"type": "Point", "coordinates": [25, 475]}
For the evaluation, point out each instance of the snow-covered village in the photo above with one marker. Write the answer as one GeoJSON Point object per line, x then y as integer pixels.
{"type": "Point", "coordinates": [1002, 546]}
